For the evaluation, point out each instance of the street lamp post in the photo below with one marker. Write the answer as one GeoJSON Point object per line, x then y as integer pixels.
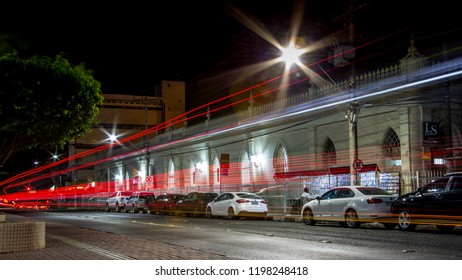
{"type": "Point", "coordinates": [353, 115]}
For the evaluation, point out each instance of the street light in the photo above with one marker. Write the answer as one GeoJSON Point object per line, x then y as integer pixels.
{"type": "Point", "coordinates": [291, 54]}
{"type": "Point", "coordinates": [113, 139]}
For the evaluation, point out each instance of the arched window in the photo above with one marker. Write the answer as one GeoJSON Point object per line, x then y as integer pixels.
{"type": "Point", "coordinates": [245, 169]}
{"type": "Point", "coordinates": [280, 162]}
{"type": "Point", "coordinates": [391, 145]}
{"type": "Point", "coordinates": [216, 175]}
{"type": "Point", "coordinates": [171, 175]}
{"type": "Point", "coordinates": [329, 155]}
{"type": "Point", "coordinates": [192, 173]}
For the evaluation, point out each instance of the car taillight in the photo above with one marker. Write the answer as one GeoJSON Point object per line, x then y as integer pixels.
{"type": "Point", "coordinates": [242, 200]}
{"type": "Point", "coordinates": [263, 202]}
{"type": "Point", "coordinates": [374, 201]}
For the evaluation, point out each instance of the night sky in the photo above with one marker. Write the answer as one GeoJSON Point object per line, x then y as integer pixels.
{"type": "Point", "coordinates": [132, 45]}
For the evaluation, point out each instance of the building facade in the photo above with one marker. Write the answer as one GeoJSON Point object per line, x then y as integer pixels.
{"type": "Point", "coordinates": [394, 128]}
{"type": "Point", "coordinates": [121, 116]}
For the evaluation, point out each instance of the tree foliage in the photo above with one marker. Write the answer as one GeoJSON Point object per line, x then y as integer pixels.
{"type": "Point", "coordinates": [45, 103]}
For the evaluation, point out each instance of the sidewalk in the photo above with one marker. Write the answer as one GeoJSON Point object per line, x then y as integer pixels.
{"type": "Point", "coordinates": [65, 242]}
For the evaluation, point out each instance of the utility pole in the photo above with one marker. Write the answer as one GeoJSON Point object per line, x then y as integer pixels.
{"type": "Point", "coordinates": [353, 110]}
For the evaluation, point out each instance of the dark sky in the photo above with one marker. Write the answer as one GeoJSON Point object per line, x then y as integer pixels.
{"type": "Point", "coordinates": [132, 45]}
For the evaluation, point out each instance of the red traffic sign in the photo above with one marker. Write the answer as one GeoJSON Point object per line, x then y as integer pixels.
{"type": "Point", "coordinates": [357, 164]}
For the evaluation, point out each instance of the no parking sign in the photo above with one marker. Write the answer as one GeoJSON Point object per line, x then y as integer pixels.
{"type": "Point", "coordinates": [149, 180]}
{"type": "Point", "coordinates": [357, 164]}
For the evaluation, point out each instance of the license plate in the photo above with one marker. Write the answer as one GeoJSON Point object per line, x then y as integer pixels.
{"type": "Point", "coordinates": [254, 203]}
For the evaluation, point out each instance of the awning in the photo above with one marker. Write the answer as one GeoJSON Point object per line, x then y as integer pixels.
{"type": "Point", "coordinates": [346, 169]}
{"type": "Point", "coordinates": [303, 173]}
{"type": "Point", "coordinates": [370, 167]}
{"type": "Point", "coordinates": [329, 171]}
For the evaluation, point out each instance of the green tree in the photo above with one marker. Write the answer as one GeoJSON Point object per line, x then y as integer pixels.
{"type": "Point", "coordinates": [45, 103]}
{"type": "Point", "coordinates": [10, 42]}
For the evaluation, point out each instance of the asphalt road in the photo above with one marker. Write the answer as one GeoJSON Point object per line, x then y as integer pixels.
{"type": "Point", "coordinates": [269, 240]}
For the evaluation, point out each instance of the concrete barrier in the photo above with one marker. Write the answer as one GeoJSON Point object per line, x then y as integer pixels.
{"type": "Point", "coordinates": [21, 236]}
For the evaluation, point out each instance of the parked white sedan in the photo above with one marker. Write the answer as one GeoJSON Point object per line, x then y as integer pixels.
{"type": "Point", "coordinates": [351, 206]}
{"type": "Point", "coordinates": [237, 204]}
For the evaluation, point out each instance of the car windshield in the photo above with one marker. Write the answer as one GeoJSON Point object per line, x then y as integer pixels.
{"type": "Point", "coordinates": [373, 191]}
{"type": "Point", "coordinates": [435, 186]}
{"type": "Point", "coordinates": [206, 195]}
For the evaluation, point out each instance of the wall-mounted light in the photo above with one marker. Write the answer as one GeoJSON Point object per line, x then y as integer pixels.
{"type": "Point", "coordinates": [141, 174]}
{"type": "Point", "coordinates": [200, 166]}
{"type": "Point", "coordinates": [256, 160]}
{"type": "Point", "coordinates": [353, 112]}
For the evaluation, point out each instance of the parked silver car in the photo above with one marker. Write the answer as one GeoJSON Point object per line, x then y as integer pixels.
{"type": "Point", "coordinates": [139, 201]}
{"type": "Point", "coordinates": [118, 201]}
{"type": "Point", "coordinates": [350, 206]}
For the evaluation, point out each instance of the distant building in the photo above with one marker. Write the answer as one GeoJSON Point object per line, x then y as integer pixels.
{"type": "Point", "coordinates": [121, 116]}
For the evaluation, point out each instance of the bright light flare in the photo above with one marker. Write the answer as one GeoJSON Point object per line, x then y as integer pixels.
{"type": "Point", "coordinates": [291, 55]}
{"type": "Point", "coordinates": [112, 138]}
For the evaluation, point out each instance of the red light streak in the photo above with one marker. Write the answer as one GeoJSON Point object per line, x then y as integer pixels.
{"type": "Point", "coordinates": [175, 120]}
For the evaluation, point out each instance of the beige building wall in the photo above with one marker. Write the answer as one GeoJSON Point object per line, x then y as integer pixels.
{"type": "Point", "coordinates": [173, 96]}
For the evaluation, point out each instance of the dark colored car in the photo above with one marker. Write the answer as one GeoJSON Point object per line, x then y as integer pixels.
{"type": "Point", "coordinates": [165, 203]}
{"type": "Point", "coordinates": [438, 203]}
{"type": "Point", "coordinates": [194, 204]}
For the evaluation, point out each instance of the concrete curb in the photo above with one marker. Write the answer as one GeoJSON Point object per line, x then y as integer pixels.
{"type": "Point", "coordinates": [287, 218]}
{"type": "Point", "coordinates": [16, 236]}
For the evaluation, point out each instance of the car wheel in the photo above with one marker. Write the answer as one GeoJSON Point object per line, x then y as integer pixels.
{"type": "Point", "coordinates": [231, 214]}
{"type": "Point", "coordinates": [196, 212]}
{"type": "Point", "coordinates": [308, 217]}
{"type": "Point", "coordinates": [351, 219]}
{"type": "Point", "coordinates": [405, 220]}
{"type": "Point", "coordinates": [178, 212]}
{"type": "Point", "coordinates": [208, 213]}
{"type": "Point", "coordinates": [445, 228]}
{"type": "Point", "coordinates": [108, 209]}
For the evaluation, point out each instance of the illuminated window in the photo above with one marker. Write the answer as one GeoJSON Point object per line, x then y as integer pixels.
{"type": "Point", "coordinates": [280, 159]}
{"type": "Point", "coordinates": [216, 170]}
{"type": "Point", "coordinates": [171, 175]}
{"type": "Point", "coordinates": [329, 154]}
{"type": "Point", "coordinates": [392, 146]}
{"type": "Point", "coordinates": [245, 169]}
